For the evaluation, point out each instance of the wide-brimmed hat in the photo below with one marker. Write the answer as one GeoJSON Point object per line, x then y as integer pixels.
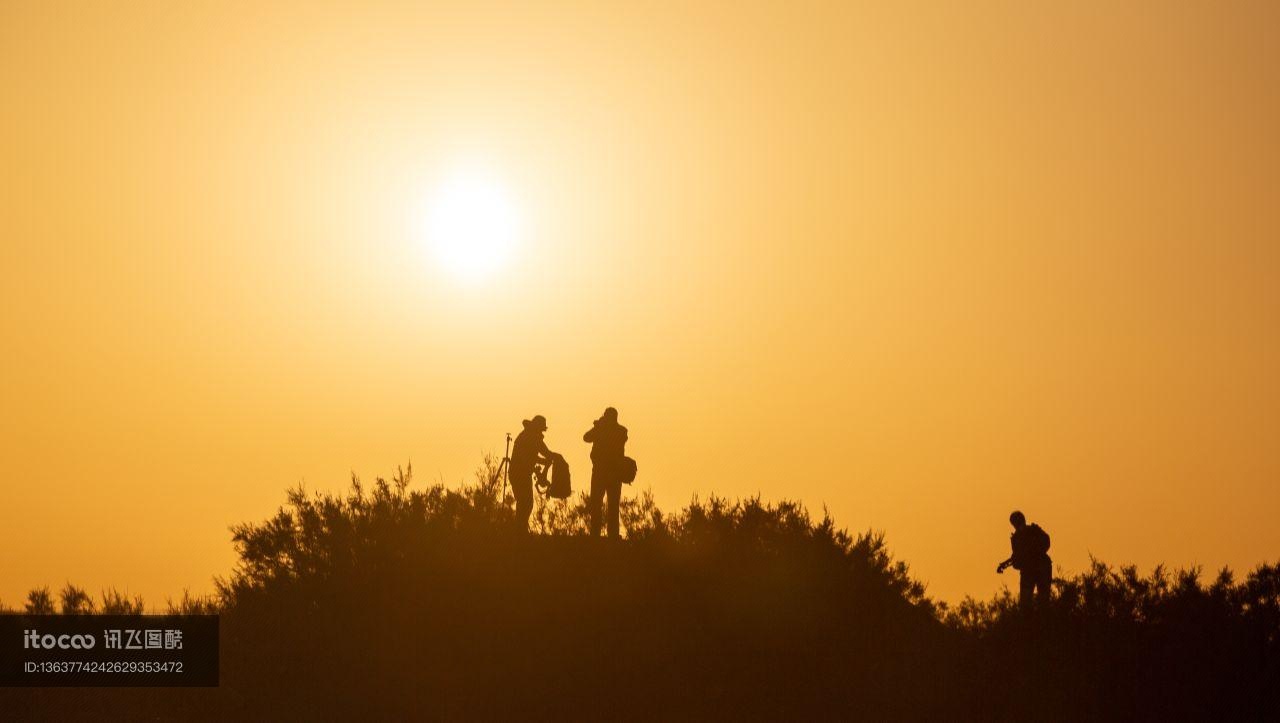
{"type": "Point", "coordinates": [538, 422]}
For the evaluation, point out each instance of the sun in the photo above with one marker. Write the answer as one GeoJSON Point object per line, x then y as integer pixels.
{"type": "Point", "coordinates": [472, 224]}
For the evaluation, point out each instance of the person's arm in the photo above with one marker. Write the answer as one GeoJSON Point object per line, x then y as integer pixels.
{"type": "Point", "coordinates": [590, 436]}
{"type": "Point", "coordinates": [1013, 552]}
{"type": "Point", "coordinates": [546, 454]}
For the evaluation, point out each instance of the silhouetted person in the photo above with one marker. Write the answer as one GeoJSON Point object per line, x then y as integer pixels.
{"type": "Point", "coordinates": [608, 440]}
{"type": "Point", "coordinates": [529, 449]}
{"type": "Point", "coordinates": [1030, 557]}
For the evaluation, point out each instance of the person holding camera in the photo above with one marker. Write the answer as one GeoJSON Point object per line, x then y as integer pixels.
{"type": "Point", "coordinates": [608, 440]}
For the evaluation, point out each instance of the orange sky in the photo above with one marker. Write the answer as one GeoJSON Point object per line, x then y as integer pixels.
{"type": "Point", "coordinates": [920, 263]}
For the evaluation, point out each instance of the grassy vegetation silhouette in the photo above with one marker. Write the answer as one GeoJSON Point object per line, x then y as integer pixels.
{"type": "Point", "coordinates": [387, 602]}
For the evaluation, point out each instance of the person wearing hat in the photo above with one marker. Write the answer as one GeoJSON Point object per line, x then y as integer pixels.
{"type": "Point", "coordinates": [608, 441]}
{"type": "Point", "coordinates": [528, 450]}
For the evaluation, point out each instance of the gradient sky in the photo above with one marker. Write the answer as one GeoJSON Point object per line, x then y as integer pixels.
{"type": "Point", "coordinates": [920, 263]}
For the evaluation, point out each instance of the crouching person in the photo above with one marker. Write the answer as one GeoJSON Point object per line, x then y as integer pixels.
{"type": "Point", "coordinates": [530, 449]}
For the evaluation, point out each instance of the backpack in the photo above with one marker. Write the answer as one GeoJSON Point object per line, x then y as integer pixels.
{"type": "Point", "coordinates": [1039, 539]}
{"type": "Point", "coordinates": [627, 470]}
{"type": "Point", "coordinates": [558, 486]}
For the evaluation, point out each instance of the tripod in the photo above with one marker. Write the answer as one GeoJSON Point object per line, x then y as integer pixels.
{"type": "Point", "coordinates": [503, 470]}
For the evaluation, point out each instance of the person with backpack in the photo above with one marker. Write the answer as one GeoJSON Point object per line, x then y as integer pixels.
{"type": "Point", "coordinates": [608, 440]}
{"type": "Point", "coordinates": [530, 449]}
{"type": "Point", "coordinates": [1030, 557]}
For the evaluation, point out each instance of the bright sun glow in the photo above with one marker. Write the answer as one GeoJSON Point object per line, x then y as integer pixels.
{"type": "Point", "coordinates": [472, 224]}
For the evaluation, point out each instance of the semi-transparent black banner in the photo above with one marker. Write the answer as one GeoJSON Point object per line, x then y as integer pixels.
{"type": "Point", "coordinates": [108, 650]}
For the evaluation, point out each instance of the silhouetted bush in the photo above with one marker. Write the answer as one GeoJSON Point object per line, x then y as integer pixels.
{"type": "Point", "coordinates": [1115, 645]}
{"type": "Point", "coordinates": [386, 602]}
{"type": "Point", "coordinates": [429, 603]}
{"type": "Point", "coordinates": [75, 601]}
{"type": "Point", "coordinates": [39, 602]}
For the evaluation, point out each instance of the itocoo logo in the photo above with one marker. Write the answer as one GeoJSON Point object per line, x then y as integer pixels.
{"type": "Point", "coordinates": [33, 639]}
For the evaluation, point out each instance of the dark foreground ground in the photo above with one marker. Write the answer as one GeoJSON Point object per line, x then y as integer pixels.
{"type": "Point", "coordinates": [392, 605]}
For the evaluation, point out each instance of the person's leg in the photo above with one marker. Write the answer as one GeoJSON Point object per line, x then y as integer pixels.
{"type": "Point", "coordinates": [615, 499]}
{"type": "Point", "coordinates": [1026, 588]}
{"type": "Point", "coordinates": [522, 488]}
{"type": "Point", "coordinates": [1045, 584]}
{"type": "Point", "coordinates": [598, 489]}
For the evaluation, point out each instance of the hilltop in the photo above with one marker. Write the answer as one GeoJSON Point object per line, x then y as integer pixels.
{"type": "Point", "coordinates": [388, 602]}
